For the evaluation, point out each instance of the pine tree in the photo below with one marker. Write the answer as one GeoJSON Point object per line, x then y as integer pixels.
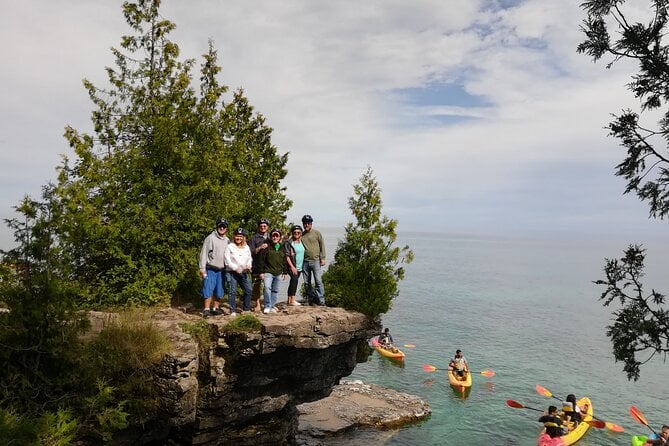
{"type": "Point", "coordinates": [367, 268]}
{"type": "Point", "coordinates": [163, 163]}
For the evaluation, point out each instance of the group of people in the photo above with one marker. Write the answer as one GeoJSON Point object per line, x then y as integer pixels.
{"type": "Point", "coordinates": [558, 424]}
{"type": "Point", "coordinates": [268, 257]}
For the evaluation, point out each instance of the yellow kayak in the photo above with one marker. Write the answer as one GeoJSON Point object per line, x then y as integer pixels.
{"type": "Point", "coordinates": [579, 431]}
{"type": "Point", "coordinates": [397, 355]}
{"type": "Point", "coordinates": [456, 381]}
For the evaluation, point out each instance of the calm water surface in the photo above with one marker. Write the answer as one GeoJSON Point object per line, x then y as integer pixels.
{"type": "Point", "coordinates": [526, 308]}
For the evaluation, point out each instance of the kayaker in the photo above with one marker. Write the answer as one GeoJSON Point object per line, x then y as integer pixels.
{"type": "Point", "coordinates": [664, 437]}
{"type": "Point", "coordinates": [459, 365]}
{"type": "Point", "coordinates": [571, 411]}
{"type": "Point", "coordinates": [552, 422]}
{"type": "Point", "coordinates": [386, 340]}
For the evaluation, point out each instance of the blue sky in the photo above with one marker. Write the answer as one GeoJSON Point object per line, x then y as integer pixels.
{"type": "Point", "coordinates": [476, 116]}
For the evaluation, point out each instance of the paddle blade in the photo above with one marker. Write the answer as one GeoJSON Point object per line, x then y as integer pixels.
{"type": "Point", "coordinates": [410, 345]}
{"type": "Point", "coordinates": [614, 427]}
{"type": "Point", "coordinates": [543, 391]}
{"type": "Point", "coordinates": [638, 416]}
{"type": "Point", "coordinates": [488, 373]}
{"type": "Point", "coordinates": [429, 368]}
{"type": "Point", "coordinates": [596, 423]}
{"type": "Point", "coordinates": [514, 404]}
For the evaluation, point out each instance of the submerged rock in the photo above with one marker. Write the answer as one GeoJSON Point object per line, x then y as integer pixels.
{"type": "Point", "coordinates": [354, 404]}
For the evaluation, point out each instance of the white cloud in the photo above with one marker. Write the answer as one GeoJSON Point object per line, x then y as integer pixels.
{"type": "Point", "coordinates": [324, 75]}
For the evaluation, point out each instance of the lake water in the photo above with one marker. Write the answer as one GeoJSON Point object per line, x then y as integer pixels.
{"type": "Point", "coordinates": [526, 308]}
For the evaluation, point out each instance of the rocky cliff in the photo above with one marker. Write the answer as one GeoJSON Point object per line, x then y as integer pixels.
{"type": "Point", "coordinates": [243, 388]}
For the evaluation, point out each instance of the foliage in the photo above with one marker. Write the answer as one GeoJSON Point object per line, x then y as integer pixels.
{"type": "Point", "coordinates": [56, 429]}
{"type": "Point", "coordinates": [129, 212]}
{"type": "Point", "coordinates": [105, 413]}
{"type": "Point", "coordinates": [365, 274]}
{"type": "Point", "coordinates": [39, 345]}
{"type": "Point", "coordinates": [51, 429]}
{"type": "Point", "coordinates": [645, 168]}
{"type": "Point", "coordinates": [245, 322]}
{"type": "Point", "coordinates": [641, 324]}
{"type": "Point", "coordinates": [123, 357]}
{"type": "Point", "coordinates": [198, 330]}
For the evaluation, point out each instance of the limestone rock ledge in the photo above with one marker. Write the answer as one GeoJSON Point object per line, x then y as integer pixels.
{"type": "Point", "coordinates": [354, 404]}
{"type": "Point", "coordinates": [244, 388]}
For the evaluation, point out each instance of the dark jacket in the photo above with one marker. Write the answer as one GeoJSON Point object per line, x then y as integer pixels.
{"type": "Point", "coordinates": [257, 240]}
{"type": "Point", "coordinates": [273, 261]}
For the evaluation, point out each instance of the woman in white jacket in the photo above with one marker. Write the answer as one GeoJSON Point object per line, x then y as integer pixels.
{"type": "Point", "coordinates": [238, 263]}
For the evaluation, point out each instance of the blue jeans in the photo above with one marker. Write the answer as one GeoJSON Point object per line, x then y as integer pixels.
{"type": "Point", "coordinates": [309, 268]}
{"type": "Point", "coordinates": [234, 278]}
{"type": "Point", "coordinates": [270, 289]}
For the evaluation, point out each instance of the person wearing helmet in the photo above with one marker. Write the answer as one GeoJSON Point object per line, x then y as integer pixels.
{"type": "Point", "coordinates": [314, 260]}
{"type": "Point", "coordinates": [212, 268]}
{"type": "Point", "coordinates": [238, 265]}
{"type": "Point", "coordinates": [273, 267]}
{"type": "Point", "coordinates": [258, 244]}
{"type": "Point", "coordinates": [295, 257]}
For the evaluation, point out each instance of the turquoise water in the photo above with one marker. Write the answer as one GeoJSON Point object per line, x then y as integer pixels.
{"type": "Point", "coordinates": [526, 309]}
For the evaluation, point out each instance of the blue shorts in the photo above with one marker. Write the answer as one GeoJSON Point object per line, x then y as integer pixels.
{"type": "Point", "coordinates": [214, 284]}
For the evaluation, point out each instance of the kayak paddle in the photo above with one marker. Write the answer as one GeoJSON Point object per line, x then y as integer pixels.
{"type": "Point", "coordinates": [517, 405]}
{"type": "Point", "coordinates": [638, 416]}
{"type": "Point", "coordinates": [430, 368]}
{"type": "Point", "coordinates": [409, 345]}
{"type": "Point", "coordinates": [614, 427]}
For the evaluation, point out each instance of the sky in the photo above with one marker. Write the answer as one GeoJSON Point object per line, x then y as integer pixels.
{"type": "Point", "coordinates": [476, 116]}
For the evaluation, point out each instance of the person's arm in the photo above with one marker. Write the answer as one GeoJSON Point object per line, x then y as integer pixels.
{"type": "Point", "coordinates": [204, 257]}
{"type": "Point", "coordinates": [321, 254]}
{"type": "Point", "coordinates": [249, 259]}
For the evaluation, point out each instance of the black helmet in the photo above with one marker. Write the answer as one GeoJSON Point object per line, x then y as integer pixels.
{"type": "Point", "coordinates": [240, 231]}
{"type": "Point", "coordinates": [307, 219]}
{"type": "Point", "coordinates": [263, 221]}
{"type": "Point", "coordinates": [221, 223]}
{"type": "Point", "coordinates": [275, 231]}
{"type": "Point", "coordinates": [296, 228]}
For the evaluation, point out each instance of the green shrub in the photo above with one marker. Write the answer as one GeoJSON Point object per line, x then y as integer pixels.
{"type": "Point", "coordinates": [51, 429]}
{"type": "Point", "coordinates": [198, 330]}
{"type": "Point", "coordinates": [245, 322]}
{"type": "Point", "coordinates": [121, 360]}
{"type": "Point", "coordinates": [57, 429]}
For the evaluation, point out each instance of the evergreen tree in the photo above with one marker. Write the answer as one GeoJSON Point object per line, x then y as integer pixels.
{"type": "Point", "coordinates": [641, 324]}
{"type": "Point", "coordinates": [40, 327]}
{"type": "Point", "coordinates": [367, 268]}
{"type": "Point", "coordinates": [163, 163]}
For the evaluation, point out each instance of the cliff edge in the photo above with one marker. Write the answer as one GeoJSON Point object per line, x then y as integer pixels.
{"type": "Point", "coordinates": [244, 388]}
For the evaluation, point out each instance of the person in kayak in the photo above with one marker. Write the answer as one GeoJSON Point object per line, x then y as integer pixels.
{"type": "Point", "coordinates": [552, 422]}
{"type": "Point", "coordinates": [664, 437]}
{"type": "Point", "coordinates": [386, 341]}
{"type": "Point", "coordinates": [459, 365]}
{"type": "Point", "coordinates": [571, 411]}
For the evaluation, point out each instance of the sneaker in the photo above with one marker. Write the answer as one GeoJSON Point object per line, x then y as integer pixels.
{"type": "Point", "coordinates": [233, 314]}
{"type": "Point", "coordinates": [273, 310]}
{"type": "Point", "coordinates": [206, 313]}
{"type": "Point", "coordinates": [295, 304]}
{"type": "Point", "coordinates": [216, 311]}
{"type": "Point", "coordinates": [266, 311]}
